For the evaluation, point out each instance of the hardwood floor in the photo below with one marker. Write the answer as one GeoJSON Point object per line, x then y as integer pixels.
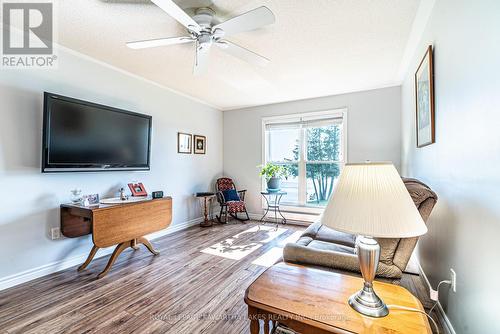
{"type": "Point", "coordinates": [182, 291]}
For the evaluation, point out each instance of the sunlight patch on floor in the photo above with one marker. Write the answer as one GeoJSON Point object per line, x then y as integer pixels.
{"type": "Point", "coordinates": [244, 243]}
{"type": "Point", "coordinates": [270, 257]}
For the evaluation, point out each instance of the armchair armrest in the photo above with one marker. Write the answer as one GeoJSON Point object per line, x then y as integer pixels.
{"type": "Point", "coordinates": [242, 193]}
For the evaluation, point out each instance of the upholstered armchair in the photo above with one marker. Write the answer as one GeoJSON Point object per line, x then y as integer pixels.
{"type": "Point", "coordinates": [231, 201]}
{"type": "Point", "coordinates": [333, 250]}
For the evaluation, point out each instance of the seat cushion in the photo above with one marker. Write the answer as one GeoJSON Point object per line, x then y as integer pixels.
{"type": "Point", "coordinates": [297, 253]}
{"type": "Point", "coordinates": [328, 246]}
{"type": "Point", "coordinates": [341, 241]}
{"type": "Point", "coordinates": [309, 252]}
{"type": "Point", "coordinates": [235, 206]}
{"type": "Point", "coordinates": [325, 247]}
{"type": "Point", "coordinates": [317, 231]}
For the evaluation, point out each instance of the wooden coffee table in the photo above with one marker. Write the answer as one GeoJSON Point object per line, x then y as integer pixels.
{"type": "Point", "coordinates": [310, 300]}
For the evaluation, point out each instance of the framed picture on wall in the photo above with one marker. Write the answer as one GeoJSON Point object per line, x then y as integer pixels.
{"type": "Point", "coordinates": [424, 99]}
{"type": "Point", "coordinates": [200, 144]}
{"type": "Point", "coordinates": [184, 143]}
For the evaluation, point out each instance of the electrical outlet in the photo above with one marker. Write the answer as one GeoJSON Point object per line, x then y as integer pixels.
{"type": "Point", "coordinates": [453, 280]}
{"type": "Point", "coordinates": [55, 233]}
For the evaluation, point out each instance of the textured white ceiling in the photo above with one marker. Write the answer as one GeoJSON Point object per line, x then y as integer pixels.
{"type": "Point", "coordinates": [316, 47]}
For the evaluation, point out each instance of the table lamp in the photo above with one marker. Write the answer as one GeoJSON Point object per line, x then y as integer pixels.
{"type": "Point", "coordinates": [371, 201]}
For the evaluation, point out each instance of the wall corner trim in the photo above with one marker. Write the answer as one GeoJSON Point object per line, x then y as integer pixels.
{"type": "Point", "coordinates": [448, 327]}
{"type": "Point", "coordinates": [47, 269]}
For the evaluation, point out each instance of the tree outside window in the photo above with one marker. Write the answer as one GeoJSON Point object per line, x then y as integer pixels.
{"type": "Point", "coordinates": [323, 152]}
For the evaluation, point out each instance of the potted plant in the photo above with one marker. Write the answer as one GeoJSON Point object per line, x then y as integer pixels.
{"type": "Point", "coordinates": [273, 174]}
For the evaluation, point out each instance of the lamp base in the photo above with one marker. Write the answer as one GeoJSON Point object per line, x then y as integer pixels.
{"type": "Point", "coordinates": [367, 302]}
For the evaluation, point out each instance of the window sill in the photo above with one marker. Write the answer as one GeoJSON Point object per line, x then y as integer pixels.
{"type": "Point", "coordinates": [311, 210]}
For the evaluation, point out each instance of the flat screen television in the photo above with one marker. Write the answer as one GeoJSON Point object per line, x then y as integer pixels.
{"type": "Point", "coordinates": [80, 136]}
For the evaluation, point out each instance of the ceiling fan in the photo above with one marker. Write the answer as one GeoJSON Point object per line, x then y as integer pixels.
{"type": "Point", "coordinates": [204, 31]}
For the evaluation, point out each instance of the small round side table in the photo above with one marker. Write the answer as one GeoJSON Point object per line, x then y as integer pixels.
{"type": "Point", "coordinates": [273, 205]}
{"type": "Point", "coordinates": [207, 198]}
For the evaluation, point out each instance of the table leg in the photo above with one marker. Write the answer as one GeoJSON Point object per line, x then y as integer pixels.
{"type": "Point", "coordinates": [267, 210]}
{"type": "Point", "coordinates": [120, 248]}
{"type": "Point", "coordinates": [284, 219]}
{"type": "Point", "coordinates": [148, 245]}
{"type": "Point", "coordinates": [266, 326]}
{"type": "Point", "coordinates": [89, 258]}
{"type": "Point", "coordinates": [276, 210]}
{"type": "Point", "coordinates": [254, 320]}
{"type": "Point", "coordinates": [254, 326]}
{"type": "Point", "coordinates": [205, 212]}
{"type": "Point", "coordinates": [206, 222]}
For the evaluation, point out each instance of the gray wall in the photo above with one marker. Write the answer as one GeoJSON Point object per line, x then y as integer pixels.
{"type": "Point", "coordinates": [374, 133]}
{"type": "Point", "coordinates": [30, 200]}
{"type": "Point", "coordinates": [463, 166]}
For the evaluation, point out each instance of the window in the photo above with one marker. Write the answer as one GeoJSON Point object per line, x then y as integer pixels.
{"type": "Point", "coordinates": [312, 147]}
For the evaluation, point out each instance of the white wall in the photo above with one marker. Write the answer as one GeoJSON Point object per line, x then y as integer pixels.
{"type": "Point", "coordinates": [463, 166]}
{"type": "Point", "coordinates": [30, 200]}
{"type": "Point", "coordinates": [374, 133]}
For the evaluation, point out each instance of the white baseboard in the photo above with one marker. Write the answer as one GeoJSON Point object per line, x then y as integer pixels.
{"type": "Point", "coordinates": [31, 274]}
{"type": "Point", "coordinates": [448, 327]}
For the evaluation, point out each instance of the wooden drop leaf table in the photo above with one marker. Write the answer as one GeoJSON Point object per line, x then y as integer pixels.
{"type": "Point", "coordinates": [124, 225]}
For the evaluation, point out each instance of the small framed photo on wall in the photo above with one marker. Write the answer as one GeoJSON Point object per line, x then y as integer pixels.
{"type": "Point", "coordinates": [184, 143]}
{"type": "Point", "coordinates": [424, 99]}
{"type": "Point", "coordinates": [200, 144]}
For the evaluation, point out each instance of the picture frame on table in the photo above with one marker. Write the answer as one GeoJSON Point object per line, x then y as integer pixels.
{"type": "Point", "coordinates": [90, 200]}
{"type": "Point", "coordinates": [137, 189]}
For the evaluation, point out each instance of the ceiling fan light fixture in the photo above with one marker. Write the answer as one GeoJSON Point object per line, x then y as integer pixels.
{"type": "Point", "coordinates": [204, 30]}
{"type": "Point", "coordinates": [218, 33]}
{"type": "Point", "coordinates": [204, 17]}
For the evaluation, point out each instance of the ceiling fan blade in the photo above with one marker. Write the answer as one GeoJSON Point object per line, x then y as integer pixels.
{"type": "Point", "coordinates": [251, 20]}
{"type": "Point", "coordinates": [177, 13]}
{"type": "Point", "coordinates": [242, 53]}
{"type": "Point", "coordinates": [201, 59]}
{"type": "Point", "coordinates": [153, 43]}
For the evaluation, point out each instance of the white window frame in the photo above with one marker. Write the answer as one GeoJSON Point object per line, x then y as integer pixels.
{"type": "Point", "coordinates": [331, 113]}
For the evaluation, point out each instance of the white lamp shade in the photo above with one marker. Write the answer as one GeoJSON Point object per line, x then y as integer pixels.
{"type": "Point", "coordinates": [370, 199]}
